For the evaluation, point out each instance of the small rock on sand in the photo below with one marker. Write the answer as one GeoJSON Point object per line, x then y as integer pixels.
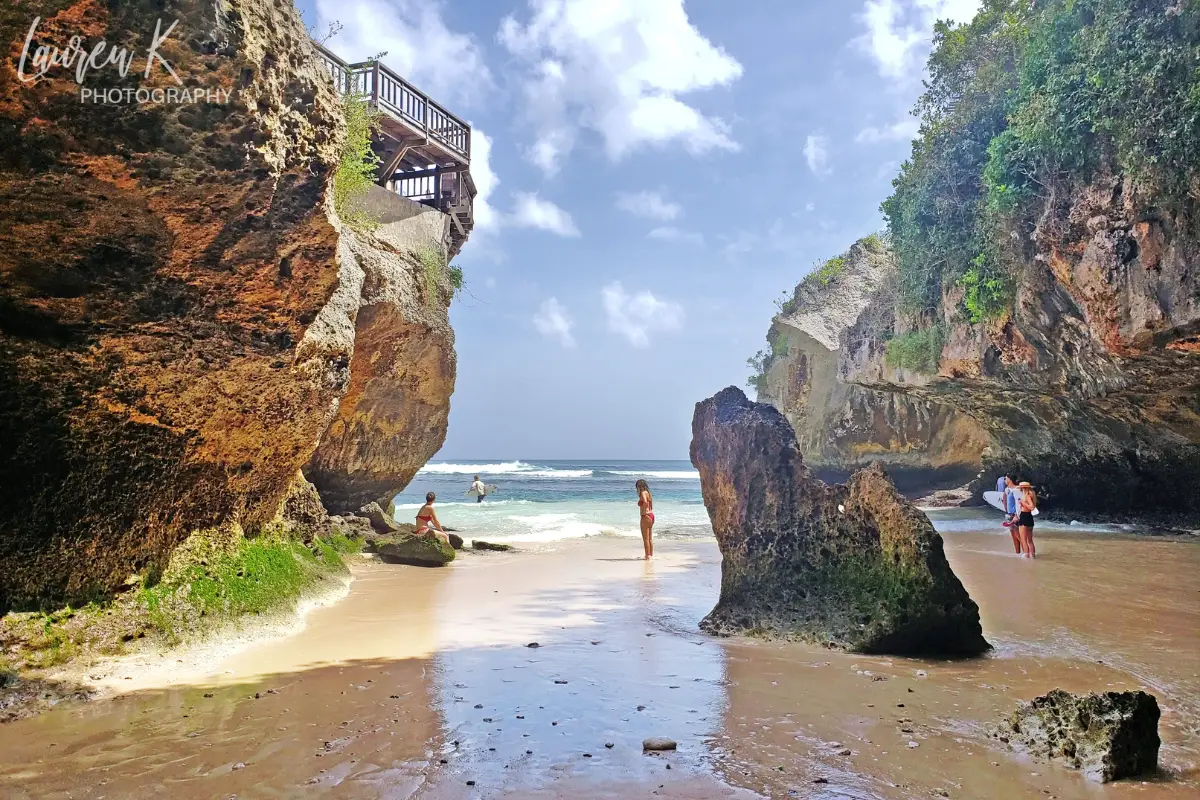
{"type": "Point", "coordinates": [560, 681]}
{"type": "Point", "coordinates": [479, 544]}
{"type": "Point", "coordinates": [658, 743]}
{"type": "Point", "coordinates": [533, 644]}
{"type": "Point", "coordinates": [609, 745]}
{"type": "Point", "coordinates": [240, 765]}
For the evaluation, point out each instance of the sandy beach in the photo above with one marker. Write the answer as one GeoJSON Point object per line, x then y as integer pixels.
{"type": "Point", "coordinates": [421, 683]}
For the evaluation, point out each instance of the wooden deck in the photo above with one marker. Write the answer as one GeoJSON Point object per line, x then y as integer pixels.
{"type": "Point", "coordinates": [424, 150]}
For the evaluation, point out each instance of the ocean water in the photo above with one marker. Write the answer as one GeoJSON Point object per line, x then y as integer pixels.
{"type": "Point", "coordinates": [546, 501]}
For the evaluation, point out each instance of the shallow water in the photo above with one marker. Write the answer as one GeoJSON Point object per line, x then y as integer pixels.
{"type": "Point", "coordinates": [379, 689]}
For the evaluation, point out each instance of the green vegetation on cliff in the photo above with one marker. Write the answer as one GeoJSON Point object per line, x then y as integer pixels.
{"type": "Point", "coordinates": [918, 351]}
{"type": "Point", "coordinates": [356, 169]}
{"type": "Point", "coordinates": [1026, 102]}
{"type": "Point", "coordinates": [760, 362]}
{"type": "Point", "coordinates": [435, 272]}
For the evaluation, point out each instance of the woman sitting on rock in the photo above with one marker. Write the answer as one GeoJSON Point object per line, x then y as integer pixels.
{"type": "Point", "coordinates": [1026, 504]}
{"type": "Point", "coordinates": [427, 521]}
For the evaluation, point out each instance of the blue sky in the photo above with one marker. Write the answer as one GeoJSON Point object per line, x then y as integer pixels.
{"type": "Point", "coordinates": [654, 173]}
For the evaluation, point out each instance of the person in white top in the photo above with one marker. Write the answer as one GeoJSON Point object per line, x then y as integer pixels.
{"type": "Point", "coordinates": [479, 489]}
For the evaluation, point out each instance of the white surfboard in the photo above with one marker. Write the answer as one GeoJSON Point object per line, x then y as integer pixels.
{"type": "Point", "coordinates": [487, 489]}
{"type": "Point", "coordinates": [996, 501]}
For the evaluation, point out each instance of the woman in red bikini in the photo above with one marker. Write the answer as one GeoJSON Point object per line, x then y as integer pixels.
{"type": "Point", "coordinates": [646, 505]}
{"type": "Point", "coordinates": [427, 521]}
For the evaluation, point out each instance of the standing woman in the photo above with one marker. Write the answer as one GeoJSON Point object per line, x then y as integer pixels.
{"type": "Point", "coordinates": [1026, 504]}
{"type": "Point", "coordinates": [646, 505]}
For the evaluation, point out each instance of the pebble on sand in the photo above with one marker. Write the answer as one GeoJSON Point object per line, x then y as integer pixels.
{"type": "Point", "coordinates": [658, 743]}
{"type": "Point", "coordinates": [533, 644]}
{"type": "Point", "coordinates": [609, 745]}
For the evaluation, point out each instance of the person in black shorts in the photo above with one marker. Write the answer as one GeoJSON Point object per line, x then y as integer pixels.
{"type": "Point", "coordinates": [1026, 503]}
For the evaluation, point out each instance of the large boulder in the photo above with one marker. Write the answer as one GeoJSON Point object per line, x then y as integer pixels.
{"type": "Point", "coordinates": [408, 548]}
{"type": "Point", "coordinates": [856, 567]}
{"type": "Point", "coordinates": [1106, 736]}
{"type": "Point", "coordinates": [381, 521]}
{"type": "Point", "coordinates": [394, 415]}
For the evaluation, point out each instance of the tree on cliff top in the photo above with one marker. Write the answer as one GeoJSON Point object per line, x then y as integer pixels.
{"type": "Point", "coordinates": [1033, 95]}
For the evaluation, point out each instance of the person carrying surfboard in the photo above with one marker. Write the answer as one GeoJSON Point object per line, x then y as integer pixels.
{"type": "Point", "coordinates": [1026, 505]}
{"type": "Point", "coordinates": [478, 489]}
{"type": "Point", "coordinates": [1011, 511]}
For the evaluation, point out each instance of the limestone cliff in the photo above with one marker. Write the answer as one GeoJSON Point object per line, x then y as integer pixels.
{"type": "Point", "coordinates": [1047, 235]}
{"type": "Point", "coordinates": [179, 305]}
{"type": "Point", "coordinates": [855, 566]}
{"type": "Point", "coordinates": [1090, 385]}
{"type": "Point", "coordinates": [840, 426]}
{"type": "Point", "coordinates": [394, 414]}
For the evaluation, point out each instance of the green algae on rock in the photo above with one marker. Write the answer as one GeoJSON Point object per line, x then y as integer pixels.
{"type": "Point", "coordinates": [855, 567]}
{"type": "Point", "coordinates": [407, 548]}
{"type": "Point", "coordinates": [1105, 736]}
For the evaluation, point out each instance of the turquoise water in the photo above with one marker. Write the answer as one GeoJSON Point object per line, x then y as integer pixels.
{"type": "Point", "coordinates": [545, 501]}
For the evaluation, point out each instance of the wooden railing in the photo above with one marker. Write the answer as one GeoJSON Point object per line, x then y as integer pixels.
{"type": "Point", "coordinates": [391, 93]}
{"type": "Point", "coordinates": [441, 187]}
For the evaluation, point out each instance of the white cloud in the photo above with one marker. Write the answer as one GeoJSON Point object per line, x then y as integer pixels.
{"type": "Point", "coordinates": [447, 65]}
{"type": "Point", "coordinates": [486, 181]}
{"type": "Point", "coordinates": [810, 206]}
{"type": "Point", "coordinates": [897, 131]}
{"type": "Point", "coordinates": [816, 151]}
{"type": "Point", "coordinates": [669, 233]}
{"type": "Point", "coordinates": [531, 211]}
{"type": "Point", "coordinates": [650, 205]}
{"type": "Point", "coordinates": [899, 32]}
{"type": "Point", "coordinates": [553, 322]}
{"type": "Point", "coordinates": [617, 68]}
{"type": "Point", "coordinates": [635, 316]}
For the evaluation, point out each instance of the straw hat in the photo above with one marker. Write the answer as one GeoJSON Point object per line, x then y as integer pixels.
{"type": "Point", "coordinates": [1024, 485]}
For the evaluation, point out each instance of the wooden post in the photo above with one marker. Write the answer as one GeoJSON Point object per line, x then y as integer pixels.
{"type": "Point", "coordinates": [375, 83]}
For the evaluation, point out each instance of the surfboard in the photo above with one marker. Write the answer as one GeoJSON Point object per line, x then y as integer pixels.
{"type": "Point", "coordinates": [488, 488]}
{"type": "Point", "coordinates": [996, 501]}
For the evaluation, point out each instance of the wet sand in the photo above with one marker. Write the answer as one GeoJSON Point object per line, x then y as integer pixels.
{"type": "Point", "coordinates": [419, 667]}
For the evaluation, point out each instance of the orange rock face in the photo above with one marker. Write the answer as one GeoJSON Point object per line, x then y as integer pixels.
{"type": "Point", "coordinates": [177, 302]}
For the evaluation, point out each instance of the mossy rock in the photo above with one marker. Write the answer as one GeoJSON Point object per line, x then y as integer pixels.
{"type": "Point", "coordinates": [419, 551]}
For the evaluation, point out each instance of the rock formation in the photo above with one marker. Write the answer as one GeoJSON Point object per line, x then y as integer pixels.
{"type": "Point", "coordinates": [1106, 736]}
{"type": "Point", "coordinates": [1091, 386]}
{"type": "Point", "coordinates": [408, 548]}
{"type": "Point", "coordinates": [856, 566]}
{"type": "Point", "coordinates": [394, 414]}
{"type": "Point", "coordinates": [840, 426]}
{"type": "Point", "coordinates": [179, 304]}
